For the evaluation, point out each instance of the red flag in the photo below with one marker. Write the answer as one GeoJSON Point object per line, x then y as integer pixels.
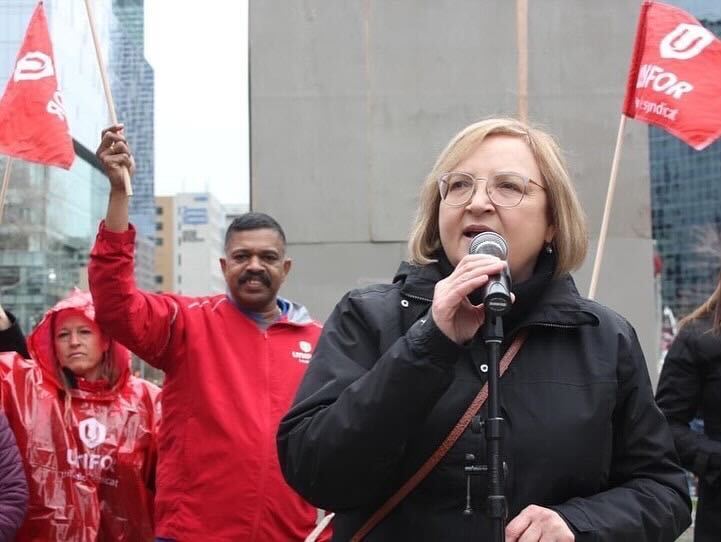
{"type": "Point", "coordinates": [675, 76]}
{"type": "Point", "coordinates": [33, 123]}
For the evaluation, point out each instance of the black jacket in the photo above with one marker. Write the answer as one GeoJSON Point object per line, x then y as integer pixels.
{"type": "Point", "coordinates": [12, 339]}
{"type": "Point", "coordinates": [583, 437]}
{"type": "Point", "coordinates": [691, 382]}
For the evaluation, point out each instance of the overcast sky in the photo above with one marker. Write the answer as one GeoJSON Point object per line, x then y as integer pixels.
{"type": "Point", "coordinates": [199, 51]}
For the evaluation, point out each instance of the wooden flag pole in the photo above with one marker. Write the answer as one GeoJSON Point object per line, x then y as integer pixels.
{"type": "Point", "coordinates": [4, 189]}
{"type": "Point", "coordinates": [106, 86]}
{"type": "Point", "coordinates": [607, 209]}
{"type": "Point", "coordinates": [522, 60]}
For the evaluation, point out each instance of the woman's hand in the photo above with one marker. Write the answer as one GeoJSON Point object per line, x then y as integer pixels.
{"type": "Point", "coordinates": [452, 312]}
{"type": "Point", "coordinates": [536, 524]}
{"type": "Point", "coordinates": [115, 156]}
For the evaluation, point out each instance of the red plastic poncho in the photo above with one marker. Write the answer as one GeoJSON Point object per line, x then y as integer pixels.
{"type": "Point", "coordinates": [89, 452]}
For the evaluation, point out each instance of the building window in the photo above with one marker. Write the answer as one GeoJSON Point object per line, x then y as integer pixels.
{"type": "Point", "coordinates": [158, 279]}
{"type": "Point", "coordinates": [179, 261]}
{"type": "Point", "coordinates": [158, 210]}
{"type": "Point", "coordinates": [158, 226]}
{"type": "Point", "coordinates": [158, 241]}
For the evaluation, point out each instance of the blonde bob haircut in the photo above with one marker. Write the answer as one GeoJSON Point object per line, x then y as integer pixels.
{"type": "Point", "coordinates": [570, 241]}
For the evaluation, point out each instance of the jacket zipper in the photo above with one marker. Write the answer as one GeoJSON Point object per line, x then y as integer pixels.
{"type": "Point", "coordinates": [547, 324]}
{"type": "Point", "coordinates": [532, 324]}
{"type": "Point", "coordinates": [514, 332]}
{"type": "Point", "coordinates": [417, 298]}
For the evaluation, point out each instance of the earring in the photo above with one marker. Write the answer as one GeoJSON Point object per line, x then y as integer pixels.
{"type": "Point", "coordinates": [549, 248]}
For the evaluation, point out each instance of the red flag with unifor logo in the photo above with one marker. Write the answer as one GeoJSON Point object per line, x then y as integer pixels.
{"type": "Point", "coordinates": [33, 124]}
{"type": "Point", "coordinates": [675, 76]}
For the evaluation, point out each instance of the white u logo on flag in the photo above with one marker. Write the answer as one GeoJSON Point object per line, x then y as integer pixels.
{"type": "Point", "coordinates": [685, 41]}
{"type": "Point", "coordinates": [32, 66]}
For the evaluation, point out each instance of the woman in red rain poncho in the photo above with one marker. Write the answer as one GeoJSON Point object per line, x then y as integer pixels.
{"type": "Point", "coordinates": [85, 428]}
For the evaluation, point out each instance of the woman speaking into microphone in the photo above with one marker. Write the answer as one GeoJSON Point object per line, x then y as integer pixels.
{"type": "Point", "coordinates": [376, 433]}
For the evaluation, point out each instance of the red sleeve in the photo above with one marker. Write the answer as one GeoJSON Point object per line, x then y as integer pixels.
{"type": "Point", "coordinates": [147, 324]}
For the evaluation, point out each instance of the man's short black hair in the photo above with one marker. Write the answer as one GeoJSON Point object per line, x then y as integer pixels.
{"type": "Point", "coordinates": [254, 221]}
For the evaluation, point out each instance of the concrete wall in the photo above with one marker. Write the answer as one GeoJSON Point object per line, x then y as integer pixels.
{"type": "Point", "coordinates": [351, 102]}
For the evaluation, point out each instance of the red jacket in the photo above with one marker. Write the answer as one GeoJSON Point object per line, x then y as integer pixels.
{"type": "Point", "coordinates": [227, 385]}
{"type": "Point", "coordinates": [89, 452]}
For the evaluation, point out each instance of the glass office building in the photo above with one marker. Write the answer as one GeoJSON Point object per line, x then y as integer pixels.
{"type": "Point", "coordinates": [686, 202]}
{"type": "Point", "coordinates": [51, 215]}
{"type": "Point", "coordinates": [49, 223]}
{"type": "Point", "coordinates": [133, 84]}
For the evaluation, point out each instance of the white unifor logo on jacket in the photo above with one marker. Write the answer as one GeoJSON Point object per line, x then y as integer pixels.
{"type": "Point", "coordinates": [92, 434]}
{"type": "Point", "coordinates": [303, 353]}
{"type": "Point", "coordinates": [685, 41]}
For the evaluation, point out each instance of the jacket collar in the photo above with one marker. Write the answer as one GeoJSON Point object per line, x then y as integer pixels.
{"type": "Point", "coordinates": [290, 312]}
{"type": "Point", "coordinates": [560, 304]}
{"type": "Point", "coordinates": [418, 281]}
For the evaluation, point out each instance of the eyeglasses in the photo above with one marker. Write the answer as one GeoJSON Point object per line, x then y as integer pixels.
{"type": "Point", "coordinates": [503, 189]}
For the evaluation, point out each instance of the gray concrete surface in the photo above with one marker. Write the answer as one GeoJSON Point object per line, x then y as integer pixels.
{"type": "Point", "coordinates": [351, 102]}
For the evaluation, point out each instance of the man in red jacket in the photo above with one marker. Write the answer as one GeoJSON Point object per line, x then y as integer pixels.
{"type": "Point", "coordinates": [232, 364]}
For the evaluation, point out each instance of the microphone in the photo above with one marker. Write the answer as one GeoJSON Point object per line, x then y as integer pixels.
{"type": "Point", "coordinates": [496, 293]}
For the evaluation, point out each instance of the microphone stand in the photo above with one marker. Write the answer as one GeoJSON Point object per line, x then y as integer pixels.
{"type": "Point", "coordinates": [497, 508]}
{"type": "Point", "coordinates": [496, 505]}
{"type": "Point", "coordinates": [496, 298]}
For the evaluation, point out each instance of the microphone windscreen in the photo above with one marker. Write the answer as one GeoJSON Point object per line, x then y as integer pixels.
{"type": "Point", "coordinates": [490, 243]}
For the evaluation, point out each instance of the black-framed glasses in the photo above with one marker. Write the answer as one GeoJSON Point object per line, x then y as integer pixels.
{"type": "Point", "coordinates": [504, 189]}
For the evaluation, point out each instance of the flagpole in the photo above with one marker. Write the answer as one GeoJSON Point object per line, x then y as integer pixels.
{"type": "Point", "coordinates": [607, 210]}
{"type": "Point", "coordinates": [4, 189]}
{"type": "Point", "coordinates": [106, 86]}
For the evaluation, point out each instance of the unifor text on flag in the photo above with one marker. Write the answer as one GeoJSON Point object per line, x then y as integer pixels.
{"type": "Point", "coordinates": [675, 76]}
{"type": "Point", "coordinates": [33, 124]}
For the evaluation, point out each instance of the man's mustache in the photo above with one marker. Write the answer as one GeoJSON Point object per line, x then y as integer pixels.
{"type": "Point", "coordinates": [258, 275]}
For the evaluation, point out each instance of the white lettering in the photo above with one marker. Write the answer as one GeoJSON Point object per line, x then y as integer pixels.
{"type": "Point", "coordinates": [80, 477]}
{"type": "Point", "coordinates": [682, 87]}
{"type": "Point", "coordinates": [89, 461]}
{"type": "Point", "coordinates": [646, 74]}
{"type": "Point", "coordinates": [660, 109]}
{"type": "Point", "coordinates": [301, 356]}
{"type": "Point", "coordinates": [94, 460]}
{"type": "Point", "coordinates": [55, 106]}
{"type": "Point", "coordinates": [662, 81]}
{"type": "Point", "coordinates": [72, 456]}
